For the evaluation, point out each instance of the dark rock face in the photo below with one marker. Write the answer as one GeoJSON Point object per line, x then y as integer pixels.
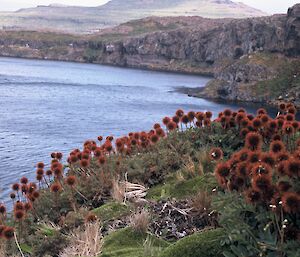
{"type": "Point", "coordinates": [209, 45]}
{"type": "Point", "coordinates": [292, 36]}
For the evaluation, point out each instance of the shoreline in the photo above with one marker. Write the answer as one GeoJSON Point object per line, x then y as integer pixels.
{"type": "Point", "coordinates": [143, 67]}
{"type": "Point", "coordinates": [190, 92]}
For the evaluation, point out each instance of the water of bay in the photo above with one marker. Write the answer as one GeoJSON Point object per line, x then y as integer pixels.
{"type": "Point", "coordinates": [51, 106]}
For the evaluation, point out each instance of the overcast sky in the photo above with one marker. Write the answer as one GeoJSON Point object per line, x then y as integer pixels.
{"type": "Point", "coordinates": [270, 6]}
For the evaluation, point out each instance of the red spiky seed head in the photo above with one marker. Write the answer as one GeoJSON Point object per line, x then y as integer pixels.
{"type": "Point", "coordinates": [291, 202]}
{"type": "Point", "coordinates": [254, 157]}
{"type": "Point", "coordinates": [102, 160]}
{"type": "Point", "coordinates": [208, 115]}
{"type": "Point", "coordinates": [156, 126]}
{"type": "Point", "coordinates": [283, 186]}
{"type": "Point", "coordinates": [288, 129]}
{"type": "Point", "coordinates": [185, 119]}
{"type": "Point", "coordinates": [277, 147]}
{"type": "Point", "coordinates": [24, 188]}
{"type": "Point", "coordinates": [227, 112]}
{"type": "Point", "coordinates": [49, 173]}
{"type": "Point", "coordinates": [166, 120]}
{"type": "Point", "coordinates": [276, 137]}
{"type": "Point", "coordinates": [269, 158]}
{"type": "Point", "coordinates": [262, 183]}
{"type": "Point", "coordinates": [222, 170]}
{"type": "Point", "coordinates": [28, 206]}
{"type": "Point", "coordinates": [179, 113]}
{"type": "Point", "coordinates": [18, 206]}
{"type": "Point", "coordinates": [293, 167]}
{"type": "Point", "coordinates": [253, 141]}
{"type": "Point", "coordinates": [12, 196]}
{"type": "Point", "coordinates": [160, 132]}
{"type": "Point", "coordinates": [39, 177]}
{"type": "Point", "coordinates": [59, 155]}
{"type": "Point", "coordinates": [200, 116]}
{"type": "Point", "coordinates": [2, 209]}
{"type": "Point", "coordinates": [171, 126]}
{"type": "Point", "coordinates": [8, 233]}
{"type": "Point", "coordinates": [55, 187]}
{"type": "Point", "coordinates": [19, 215]}
{"type": "Point", "coordinates": [260, 169]}
{"type": "Point", "coordinates": [261, 111]}
{"type": "Point", "coordinates": [71, 180]}
{"type": "Point", "coordinates": [154, 138]}
{"type": "Point", "coordinates": [282, 106]}
{"type": "Point", "coordinates": [191, 115]}
{"type": "Point", "coordinates": [36, 194]}
{"type": "Point", "coordinates": [84, 163]}
{"type": "Point", "coordinates": [252, 196]}
{"type": "Point", "coordinates": [176, 119]}
{"type": "Point", "coordinates": [264, 118]}
{"type": "Point", "coordinates": [216, 154]}
{"type": "Point", "coordinates": [40, 171]}
{"type": "Point", "coordinates": [24, 180]}
{"type": "Point", "coordinates": [40, 165]}
{"type": "Point", "coordinates": [15, 187]}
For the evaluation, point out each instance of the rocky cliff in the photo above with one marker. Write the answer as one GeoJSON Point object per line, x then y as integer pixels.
{"type": "Point", "coordinates": [248, 57]}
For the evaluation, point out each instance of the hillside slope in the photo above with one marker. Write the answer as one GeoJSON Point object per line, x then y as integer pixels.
{"type": "Point", "coordinates": [88, 19]}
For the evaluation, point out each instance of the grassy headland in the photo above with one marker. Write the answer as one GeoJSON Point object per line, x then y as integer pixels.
{"type": "Point", "coordinates": [202, 187]}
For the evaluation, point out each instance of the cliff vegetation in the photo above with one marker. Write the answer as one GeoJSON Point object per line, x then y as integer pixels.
{"type": "Point", "coordinates": [192, 186]}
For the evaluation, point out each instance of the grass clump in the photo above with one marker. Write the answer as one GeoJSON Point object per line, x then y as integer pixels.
{"type": "Point", "coordinates": [129, 243]}
{"type": "Point", "coordinates": [111, 211]}
{"type": "Point", "coordinates": [203, 244]}
{"type": "Point", "coordinates": [182, 189]}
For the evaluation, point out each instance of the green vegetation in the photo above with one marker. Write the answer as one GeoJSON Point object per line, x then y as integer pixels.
{"type": "Point", "coordinates": [203, 244]}
{"type": "Point", "coordinates": [111, 211]}
{"type": "Point", "coordinates": [128, 243]}
{"type": "Point", "coordinates": [264, 77]}
{"type": "Point", "coordinates": [225, 187]}
{"type": "Point", "coordinates": [287, 80]}
{"type": "Point", "coordinates": [172, 188]}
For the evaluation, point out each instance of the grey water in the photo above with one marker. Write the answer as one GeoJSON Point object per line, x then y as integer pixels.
{"type": "Point", "coordinates": [48, 106]}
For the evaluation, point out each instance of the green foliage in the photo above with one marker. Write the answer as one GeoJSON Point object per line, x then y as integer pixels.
{"type": "Point", "coordinates": [202, 244]}
{"type": "Point", "coordinates": [182, 189]}
{"type": "Point", "coordinates": [128, 243]}
{"type": "Point", "coordinates": [26, 248]}
{"type": "Point", "coordinates": [288, 78]}
{"type": "Point", "coordinates": [48, 245]}
{"type": "Point", "coordinates": [90, 55]}
{"type": "Point", "coordinates": [51, 207]}
{"type": "Point", "coordinates": [111, 211]}
{"type": "Point", "coordinates": [251, 230]}
{"type": "Point", "coordinates": [227, 139]}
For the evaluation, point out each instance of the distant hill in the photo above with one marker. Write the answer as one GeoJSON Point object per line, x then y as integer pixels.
{"type": "Point", "coordinates": [90, 19]}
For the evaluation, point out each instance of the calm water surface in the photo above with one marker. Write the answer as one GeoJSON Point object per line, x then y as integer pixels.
{"type": "Point", "coordinates": [51, 106]}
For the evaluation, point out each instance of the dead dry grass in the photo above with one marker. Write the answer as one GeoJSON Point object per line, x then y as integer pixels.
{"type": "Point", "coordinates": [140, 221]}
{"type": "Point", "coordinates": [85, 242]}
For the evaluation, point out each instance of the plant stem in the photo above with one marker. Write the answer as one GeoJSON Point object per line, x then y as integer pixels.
{"type": "Point", "coordinates": [18, 245]}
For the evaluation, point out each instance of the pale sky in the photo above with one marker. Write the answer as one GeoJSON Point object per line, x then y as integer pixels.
{"type": "Point", "coordinates": [269, 6]}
